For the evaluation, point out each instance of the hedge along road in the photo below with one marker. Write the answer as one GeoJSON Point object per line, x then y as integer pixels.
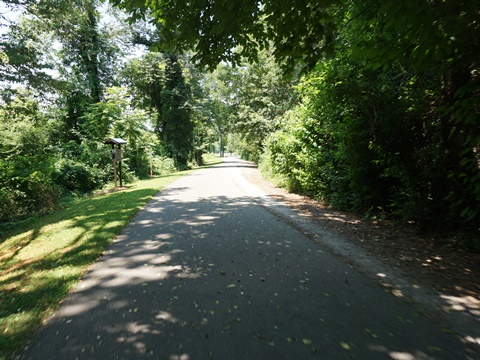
{"type": "Point", "coordinates": [204, 271]}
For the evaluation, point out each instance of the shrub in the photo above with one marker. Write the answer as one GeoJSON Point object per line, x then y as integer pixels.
{"type": "Point", "coordinates": [23, 197]}
{"type": "Point", "coordinates": [163, 165]}
{"type": "Point", "coordinates": [77, 177]}
{"type": "Point", "coordinates": [10, 203]}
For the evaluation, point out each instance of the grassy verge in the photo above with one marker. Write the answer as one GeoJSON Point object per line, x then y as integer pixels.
{"type": "Point", "coordinates": [42, 259]}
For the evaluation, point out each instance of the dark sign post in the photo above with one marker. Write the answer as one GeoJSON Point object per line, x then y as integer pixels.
{"type": "Point", "coordinates": [151, 164]}
{"type": "Point", "coordinates": [116, 157]}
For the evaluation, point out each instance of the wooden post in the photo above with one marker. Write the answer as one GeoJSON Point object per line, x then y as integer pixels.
{"type": "Point", "coordinates": [114, 166]}
{"type": "Point", "coordinates": [115, 172]}
{"type": "Point", "coordinates": [151, 164]}
{"type": "Point", "coordinates": [120, 164]}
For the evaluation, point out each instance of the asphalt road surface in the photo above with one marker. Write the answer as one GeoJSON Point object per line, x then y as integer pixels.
{"type": "Point", "coordinates": [206, 272]}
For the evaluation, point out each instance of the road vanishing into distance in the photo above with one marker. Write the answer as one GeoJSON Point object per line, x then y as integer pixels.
{"type": "Point", "coordinates": [205, 271]}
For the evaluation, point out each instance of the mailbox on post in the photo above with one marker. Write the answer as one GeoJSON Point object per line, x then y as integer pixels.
{"type": "Point", "coordinates": [116, 156]}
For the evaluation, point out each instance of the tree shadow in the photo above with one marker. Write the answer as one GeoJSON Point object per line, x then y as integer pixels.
{"type": "Point", "coordinates": [222, 278]}
{"type": "Point", "coordinates": [235, 164]}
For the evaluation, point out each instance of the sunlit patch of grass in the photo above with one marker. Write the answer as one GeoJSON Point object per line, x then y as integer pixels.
{"type": "Point", "coordinates": [41, 259]}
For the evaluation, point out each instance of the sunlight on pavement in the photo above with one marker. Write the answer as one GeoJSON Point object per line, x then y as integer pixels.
{"type": "Point", "coordinates": [463, 303]}
{"type": "Point", "coordinates": [472, 340]}
{"type": "Point", "coordinates": [401, 356]}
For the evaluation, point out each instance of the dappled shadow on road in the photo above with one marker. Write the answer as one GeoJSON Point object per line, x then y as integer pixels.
{"type": "Point", "coordinates": [236, 165]}
{"type": "Point", "coordinates": [234, 161]}
{"type": "Point", "coordinates": [449, 270]}
{"type": "Point", "coordinates": [414, 264]}
{"type": "Point", "coordinates": [221, 278]}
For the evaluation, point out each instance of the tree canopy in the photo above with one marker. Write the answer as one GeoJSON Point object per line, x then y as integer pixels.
{"type": "Point", "coordinates": [300, 31]}
{"type": "Point", "coordinates": [304, 31]}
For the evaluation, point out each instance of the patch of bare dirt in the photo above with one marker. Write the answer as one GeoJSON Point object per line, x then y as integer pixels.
{"type": "Point", "coordinates": [433, 260]}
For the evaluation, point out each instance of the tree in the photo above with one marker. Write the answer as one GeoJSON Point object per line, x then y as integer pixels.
{"type": "Point", "coordinates": [437, 40]}
{"type": "Point", "coordinates": [24, 60]}
{"type": "Point", "coordinates": [87, 57]}
{"type": "Point", "coordinates": [204, 135]}
{"type": "Point", "coordinates": [381, 133]}
{"type": "Point", "coordinates": [79, 47]}
{"type": "Point", "coordinates": [175, 125]}
{"type": "Point", "coordinates": [219, 103]}
{"type": "Point", "coordinates": [300, 32]}
{"type": "Point", "coordinates": [248, 100]}
{"type": "Point", "coordinates": [261, 96]}
{"type": "Point", "coordinates": [158, 83]}
{"type": "Point", "coordinates": [117, 117]}
{"type": "Point", "coordinates": [305, 30]}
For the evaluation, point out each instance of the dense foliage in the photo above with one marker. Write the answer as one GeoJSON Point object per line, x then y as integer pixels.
{"type": "Point", "coordinates": [385, 137]}
{"type": "Point", "coordinates": [226, 31]}
{"type": "Point", "coordinates": [370, 106]}
{"type": "Point", "coordinates": [71, 80]}
{"type": "Point", "coordinates": [378, 132]}
{"type": "Point", "coordinates": [26, 165]}
{"type": "Point", "coordinates": [249, 102]}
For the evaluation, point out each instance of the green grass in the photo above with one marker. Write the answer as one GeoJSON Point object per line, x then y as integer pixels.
{"type": "Point", "coordinates": [43, 258]}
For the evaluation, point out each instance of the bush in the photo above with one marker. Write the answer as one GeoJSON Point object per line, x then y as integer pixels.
{"type": "Point", "coordinates": [10, 203]}
{"type": "Point", "coordinates": [23, 197]}
{"type": "Point", "coordinates": [163, 165]}
{"type": "Point", "coordinates": [77, 177]}
{"type": "Point", "coordinates": [42, 193]}
{"type": "Point", "coordinates": [128, 175]}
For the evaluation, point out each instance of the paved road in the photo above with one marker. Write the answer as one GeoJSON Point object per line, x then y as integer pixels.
{"type": "Point", "coordinates": [205, 272]}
